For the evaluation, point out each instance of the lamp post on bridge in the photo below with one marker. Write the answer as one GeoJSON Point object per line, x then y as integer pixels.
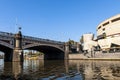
{"type": "Point", "coordinates": [18, 52]}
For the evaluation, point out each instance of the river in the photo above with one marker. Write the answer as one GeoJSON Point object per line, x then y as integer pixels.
{"type": "Point", "coordinates": [60, 70]}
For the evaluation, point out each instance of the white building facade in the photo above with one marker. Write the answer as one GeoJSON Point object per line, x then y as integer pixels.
{"type": "Point", "coordinates": [108, 33]}
{"type": "Point", "coordinates": [88, 42]}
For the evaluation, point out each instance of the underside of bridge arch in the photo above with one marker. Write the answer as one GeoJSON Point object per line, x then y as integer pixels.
{"type": "Point", "coordinates": [50, 52]}
{"type": "Point", "coordinates": [8, 52]}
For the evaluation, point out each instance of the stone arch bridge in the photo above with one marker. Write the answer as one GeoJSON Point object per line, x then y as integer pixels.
{"type": "Point", "coordinates": [14, 44]}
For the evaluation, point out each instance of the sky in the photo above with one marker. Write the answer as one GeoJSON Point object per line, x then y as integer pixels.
{"type": "Point", "coordinates": [58, 20]}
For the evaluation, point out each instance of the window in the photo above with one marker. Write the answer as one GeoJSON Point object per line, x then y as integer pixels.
{"type": "Point", "coordinates": [103, 29]}
{"type": "Point", "coordinates": [116, 19]}
{"type": "Point", "coordinates": [99, 27]}
{"type": "Point", "coordinates": [105, 23]}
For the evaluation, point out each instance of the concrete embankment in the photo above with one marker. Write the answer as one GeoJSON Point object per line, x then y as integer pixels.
{"type": "Point", "coordinates": [95, 56]}
{"type": "Point", "coordinates": [77, 56]}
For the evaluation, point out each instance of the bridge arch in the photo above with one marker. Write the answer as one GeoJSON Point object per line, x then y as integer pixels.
{"type": "Point", "coordinates": [50, 51]}
{"type": "Point", "coordinates": [7, 49]}
{"type": "Point", "coordinates": [8, 45]}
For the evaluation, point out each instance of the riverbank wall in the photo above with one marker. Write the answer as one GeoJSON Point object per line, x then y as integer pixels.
{"type": "Point", "coordinates": [95, 56]}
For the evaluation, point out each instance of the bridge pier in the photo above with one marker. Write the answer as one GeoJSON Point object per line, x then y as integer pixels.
{"type": "Point", "coordinates": [18, 55]}
{"type": "Point", "coordinates": [78, 47]}
{"type": "Point", "coordinates": [67, 50]}
{"type": "Point", "coordinates": [18, 52]}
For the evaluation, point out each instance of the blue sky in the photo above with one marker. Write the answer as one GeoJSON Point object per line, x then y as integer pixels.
{"type": "Point", "coordinates": [56, 19]}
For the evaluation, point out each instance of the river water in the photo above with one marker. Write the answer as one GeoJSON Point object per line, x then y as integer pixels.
{"type": "Point", "coordinates": [60, 70]}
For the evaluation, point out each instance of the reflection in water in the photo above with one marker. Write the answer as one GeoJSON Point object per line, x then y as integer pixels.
{"type": "Point", "coordinates": [17, 68]}
{"type": "Point", "coordinates": [12, 69]}
{"type": "Point", "coordinates": [60, 70]}
{"type": "Point", "coordinates": [96, 70]}
{"type": "Point", "coordinates": [1, 65]}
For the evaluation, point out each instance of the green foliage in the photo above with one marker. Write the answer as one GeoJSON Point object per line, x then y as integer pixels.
{"type": "Point", "coordinates": [71, 42]}
{"type": "Point", "coordinates": [39, 53]}
{"type": "Point", "coordinates": [81, 40]}
{"type": "Point", "coordinates": [34, 54]}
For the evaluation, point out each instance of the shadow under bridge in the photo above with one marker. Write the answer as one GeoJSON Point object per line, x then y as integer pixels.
{"type": "Point", "coordinates": [7, 50]}
{"type": "Point", "coordinates": [51, 52]}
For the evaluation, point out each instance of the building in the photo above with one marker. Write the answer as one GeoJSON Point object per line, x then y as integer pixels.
{"type": "Point", "coordinates": [88, 42]}
{"type": "Point", "coordinates": [108, 34]}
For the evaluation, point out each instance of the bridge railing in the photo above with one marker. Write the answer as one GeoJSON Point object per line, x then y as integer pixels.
{"type": "Point", "coordinates": [31, 38]}
{"type": "Point", "coordinates": [6, 34]}
{"type": "Point", "coordinates": [43, 40]}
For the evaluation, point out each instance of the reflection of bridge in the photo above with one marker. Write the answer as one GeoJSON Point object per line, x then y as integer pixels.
{"type": "Point", "coordinates": [14, 44]}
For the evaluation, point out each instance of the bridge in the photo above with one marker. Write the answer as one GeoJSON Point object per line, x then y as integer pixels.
{"type": "Point", "coordinates": [13, 45]}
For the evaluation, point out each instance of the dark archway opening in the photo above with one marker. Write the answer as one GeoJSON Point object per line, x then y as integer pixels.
{"type": "Point", "coordinates": [8, 52]}
{"type": "Point", "coordinates": [50, 53]}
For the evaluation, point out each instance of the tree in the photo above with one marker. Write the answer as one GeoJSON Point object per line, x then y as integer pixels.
{"type": "Point", "coordinates": [71, 42]}
{"type": "Point", "coordinates": [81, 40]}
